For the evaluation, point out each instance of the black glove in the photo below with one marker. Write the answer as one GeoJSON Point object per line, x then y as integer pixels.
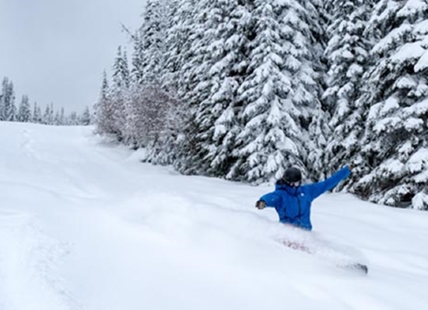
{"type": "Point", "coordinates": [260, 204]}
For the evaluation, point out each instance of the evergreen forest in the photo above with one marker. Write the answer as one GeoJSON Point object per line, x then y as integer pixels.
{"type": "Point", "coordinates": [244, 89]}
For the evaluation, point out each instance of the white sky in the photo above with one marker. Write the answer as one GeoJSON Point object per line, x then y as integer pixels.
{"type": "Point", "coordinates": [55, 51]}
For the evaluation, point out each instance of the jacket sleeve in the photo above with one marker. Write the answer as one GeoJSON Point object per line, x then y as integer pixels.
{"type": "Point", "coordinates": [319, 188]}
{"type": "Point", "coordinates": [272, 199]}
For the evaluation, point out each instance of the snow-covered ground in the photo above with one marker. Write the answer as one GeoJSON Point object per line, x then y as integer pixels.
{"type": "Point", "coordinates": [85, 225]}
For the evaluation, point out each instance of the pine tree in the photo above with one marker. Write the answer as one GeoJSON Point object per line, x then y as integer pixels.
{"type": "Point", "coordinates": [302, 27]}
{"type": "Point", "coordinates": [3, 96]}
{"type": "Point", "coordinates": [348, 58]}
{"type": "Point", "coordinates": [57, 121]}
{"type": "Point", "coordinates": [86, 117]}
{"type": "Point", "coordinates": [37, 114]}
{"type": "Point", "coordinates": [276, 93]}
{"type": "Point", "coordinates": [7, 102]}
{"type": "Point", "coordinates": [223, 42]}
{"type": "Point", "coordinates": [24, 112]}
{"type": "Point", "coordinates": [175, 38]}
{"type": "Point", "coordinates": [51, 114]}
{"type": "Point", "coordinates": [47, 116]}
{"type": "Point", "coordinates": [261, 144]}
{"type": "Point", "coordinates": [187, 33]}
{"type": "Point", "coordinates": [188, 59]}
{"type": "Point", "coordinates": [104, 121]}
{"type": "Point", "coordinates": [62, 117]}
{"type": "Point", "coordinates": [395, 155]}
{"type": "Point", "coordinates": [119, 93]}
{"type": "Point", "coordinates": [151, 106]}
{"type": "Point", "coordinates": [153, 33]}
{"type": "Point", "coordinates": [73, 119]}
{"type": "Point", "coordinates": [194, 88]}
{"type": "Point", "coordinates": [137, 71]}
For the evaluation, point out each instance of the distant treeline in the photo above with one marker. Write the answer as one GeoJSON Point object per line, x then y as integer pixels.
{"type": "Point", "coordinates": [26, 113]}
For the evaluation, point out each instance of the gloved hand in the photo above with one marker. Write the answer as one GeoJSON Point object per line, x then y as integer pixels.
{"type": "Point", "coordinates": [260, 204]}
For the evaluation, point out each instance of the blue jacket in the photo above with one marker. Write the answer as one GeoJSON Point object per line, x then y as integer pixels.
{"type": "Point", "coordinates": [293, 204]}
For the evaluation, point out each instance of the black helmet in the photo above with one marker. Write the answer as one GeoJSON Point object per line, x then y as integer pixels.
{"type": "Point", "coordinates": [292, 175]}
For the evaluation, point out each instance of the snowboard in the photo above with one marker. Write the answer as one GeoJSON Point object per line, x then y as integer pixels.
{"type": "Point", "coordinates": [351, 266]}
{"type": "Point", "coordinates": [356, 267]}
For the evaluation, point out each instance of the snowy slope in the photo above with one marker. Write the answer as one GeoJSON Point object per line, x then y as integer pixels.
{"type": "Point", "coordinates": [85, 225]}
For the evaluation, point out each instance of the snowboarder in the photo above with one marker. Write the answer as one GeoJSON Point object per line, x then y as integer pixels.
{"type": "Point", "coordinates": [292, 200]}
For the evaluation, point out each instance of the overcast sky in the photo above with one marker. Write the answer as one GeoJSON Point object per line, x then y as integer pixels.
{"type": "Point", "coordinates": [56, 50]}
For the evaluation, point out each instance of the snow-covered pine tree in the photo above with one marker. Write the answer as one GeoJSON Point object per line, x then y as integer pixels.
{"type": "Point", "coordinates": [163, 86]}
{"type": "Point", "coordinates": [186, 33]}
{"type": "Point", "coordinates": [48, 118]}
{"type": "Point", "coordinates": [13, 112]}
{"type": "Point", "coordinates": [86, 117]}
{"type": "Point", "coordinates": [7, 103]}
{"type": "Point", "coordinates": [287, 47]}
{"type": "Point", "coordinates": [119, 93]}
{"type": "Point", "coordinates": [72, 119]}
{"type": "Point", "coordinates": [227, 29]}
{"type": "Point", "coordinates": [62, 116]}
{"type": "Point", "coordinates": [189, 159]}
{"type": "Point", "coordinates": [104, 121]}
{"type": "Point", "coordinates": [24, 112]}
{"type": "Point", "coordinates": [213, 72]}
{"type": "Point", "coordinates": [395, 156]}
{"type": "Point", "coordinates": [153, 32]}
{"type": "Point", "coordinates": [270, 139]}
{"type": "Point", "coordinates": [302, 25]}
{"type": "Point", "coordinates": [185, 60]}
{"type": "Point", "coordinates": [57, 121]}
{"type": "Point", "coordinates": [37, 114]}
{"type": "Point", "coordinates": [348, 58]}
{"type": "Point", "coordinates": [45, 118]}
{"type": "Point", "coordinates": [174, 40]}
{"type": "Point", "coordinates": [149, 43]}
{"type": "Point", "coordinates": [133, 102]}
{"type": "Point", "coordinates": [137, 70]}
{"type": "Point", "coordinates": [51, 114]}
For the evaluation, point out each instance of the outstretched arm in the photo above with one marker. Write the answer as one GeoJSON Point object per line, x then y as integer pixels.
{"type": "Point", "coordinates": [270, 200]}
{"type": "Point", "coordinates": [319, 188]}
